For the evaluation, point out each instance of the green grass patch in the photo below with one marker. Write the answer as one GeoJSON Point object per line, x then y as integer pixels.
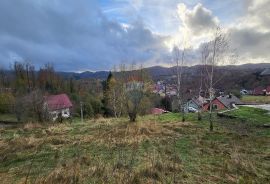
{"type": "Point", "coordinates": [8, 117]}
{"type": "Point", "coordinates": [252, 115]}
{"type": "Point", "coordinates": [255, 99]}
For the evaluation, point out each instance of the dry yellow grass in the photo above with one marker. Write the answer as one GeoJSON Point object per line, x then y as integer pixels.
{"type": "Point", "coordinates": [117, 151]}
{"type": "Point", "coordinates": [31, 126]}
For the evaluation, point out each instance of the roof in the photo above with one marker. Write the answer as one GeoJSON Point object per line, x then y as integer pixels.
{"type": "Point", "coordinates": [199, 100]}
{"type": "Point", "coordinates": [228, 100]}
{"type": "Point", "coordinates": [258, 90]}
{"type": "Point", "coordinates": [134, 79]}
{"type": "Point", "coordinates": [265, 72]}
{"type": "Point", "coordinates": [158, 111]}
{"type": "Point", "coordinates": [56, 102]}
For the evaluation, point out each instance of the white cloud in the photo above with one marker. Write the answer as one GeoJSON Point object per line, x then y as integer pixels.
{"type": "Point", "coordinates": [257, 16]}
{"type": "Point", "coordinates": [250, 34]}
{"type": "Point", "coordinates": [199, 21]}
{"type": "Point", "coordinates": [196, 26]}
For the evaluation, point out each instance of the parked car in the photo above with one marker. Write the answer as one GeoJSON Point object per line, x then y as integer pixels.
{"type": "Point", "coordinates": [243, 92]}
{"type": "Point", "coordinates": [192, 109]}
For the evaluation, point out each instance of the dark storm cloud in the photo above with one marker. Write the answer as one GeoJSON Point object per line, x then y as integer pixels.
{"type": "Point", "coordinates": [251, 43]}
{"type": "Point", "coordinates": [74, 35]}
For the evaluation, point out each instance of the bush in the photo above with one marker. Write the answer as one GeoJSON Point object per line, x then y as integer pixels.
{"type": "Point", "coordinates": [96, 105]}
{"type": "Point", "coordinates": [88, 110]}
{"type": "Point", "coordinates": [166, 103]}
{"type": "Point", "coordinates": [92, 106]}
{"type": "Point", "coordinates": [30, 107]}
{"type": "Point", "coordinates": [145, 106]}
{"type": "Point", "coordinates": [7, 102]}
{"type": "Point", "coordinates": [236, 93]}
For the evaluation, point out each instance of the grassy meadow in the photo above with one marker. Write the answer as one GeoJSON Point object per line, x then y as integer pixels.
{"type": "Point", "coordinates": [256, 99]}
{"type": "Point", "coordinates": [155, 149]}
{"type": "Point", "coordinates": [8, 117]}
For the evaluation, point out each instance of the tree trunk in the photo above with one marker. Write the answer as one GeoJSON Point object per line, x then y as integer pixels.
{"type": "Point", "coordinates": [211, 123]}
{"type": "Point", "coordinates": [199, 116]}
{"type": "Point", "coordinates": [211, 86]}
{"type": "Point", "coordinates": [183, 115]}
{"type": "Point", "coordinates": [132, 117]}
{"type": "Point", "coordinates": [211, 127]}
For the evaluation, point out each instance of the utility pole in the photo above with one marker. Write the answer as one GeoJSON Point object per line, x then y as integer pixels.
{"type": "Point", "coordinates": [81, 103]}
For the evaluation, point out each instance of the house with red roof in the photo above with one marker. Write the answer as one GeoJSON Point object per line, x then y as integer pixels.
{"type": "Point", "coordinates": [260, 90]}
{"type": "Point", "coordinates": [216, 105]}
{"type": "Point", "coordinates": [195, 104]}
{"type": "Point", "coordinates": [267, 90]}
{"type": "Point", "coordinates": [223, 102]}
{"type": "Point", "coordinates": [134, 83]}
{"type": "Point", "coordinates": [158, 111]}
{"type": "Point", "coordinates": [58, 105]}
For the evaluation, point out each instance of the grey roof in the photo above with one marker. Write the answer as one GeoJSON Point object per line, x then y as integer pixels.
{"type": "Point", "coordinates": [265, 72]}
{"type": "Point", "coordinates": [228, 100]}
{"type": "Point", "coordinates": [199, 101]}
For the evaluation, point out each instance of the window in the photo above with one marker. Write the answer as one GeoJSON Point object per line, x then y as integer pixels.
{"type": "Point", "coordinates": [214, 106]}
{"type": "Point", "coordinates": [54, 115]}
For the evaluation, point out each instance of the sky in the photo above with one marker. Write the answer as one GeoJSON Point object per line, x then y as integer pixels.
{"type": "Point", "coordinates": [98, 35]}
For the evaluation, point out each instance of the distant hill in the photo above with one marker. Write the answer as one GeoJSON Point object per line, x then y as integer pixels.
{"type": "Point", "coordinates": [159, 72]}
{"type": "Point", "coordinates": [85, 75]}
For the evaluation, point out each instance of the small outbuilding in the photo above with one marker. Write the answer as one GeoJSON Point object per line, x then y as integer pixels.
{"type": "Point", "coordinates": [58, 105]}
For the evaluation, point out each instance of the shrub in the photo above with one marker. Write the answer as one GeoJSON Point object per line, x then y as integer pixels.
{"type": "Point", "coordinates": [92, 106]}
{"type": "Point", "coordinates": [236, 93]}
{"type": "Point", "coordinates": [145, 106]}
{"type": "Point", "coordinates": [7, 102]}
{"type": "Point", "coordinates": [88, 110]}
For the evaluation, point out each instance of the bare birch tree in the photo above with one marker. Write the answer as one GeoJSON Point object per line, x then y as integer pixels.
{"type": "Point", "coordinates": [200, 89]}
{"type": "Point", "coordinates": [116, 93]}
{"type": "Point", "coordinates": [179, 57]}
{"type": "Point", "coordinates": [215, 53]}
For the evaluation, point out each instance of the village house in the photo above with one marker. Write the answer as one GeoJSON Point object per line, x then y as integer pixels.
{"type": "Point", "coordinates": [267, 90]}
{"type": "Point", "coordinates": [58, 105]}
{"type": "Point", "coordinates": [195, 104]}
{"type": "Point", "coordinates": [158, 111]}
{"type": "Point", "coordinates": [223, 102]}
{"type": "Point", "coordinates": [259, 91]}
{"type": "Point", "coordinates": [164, 89]}
{"type": "Point", "coordinates": [265, 72]}
{"type": "Point", "coordinates": [6, 90]}
{"type": "Point", "coordinates": [134, 83]}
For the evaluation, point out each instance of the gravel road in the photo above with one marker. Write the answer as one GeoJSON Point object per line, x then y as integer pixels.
{"type": "Point", "coordinates": [265, 106]}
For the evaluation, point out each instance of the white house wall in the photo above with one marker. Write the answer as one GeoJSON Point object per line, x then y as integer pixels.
{"type": "Point", "coordinates": [65, 113]}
